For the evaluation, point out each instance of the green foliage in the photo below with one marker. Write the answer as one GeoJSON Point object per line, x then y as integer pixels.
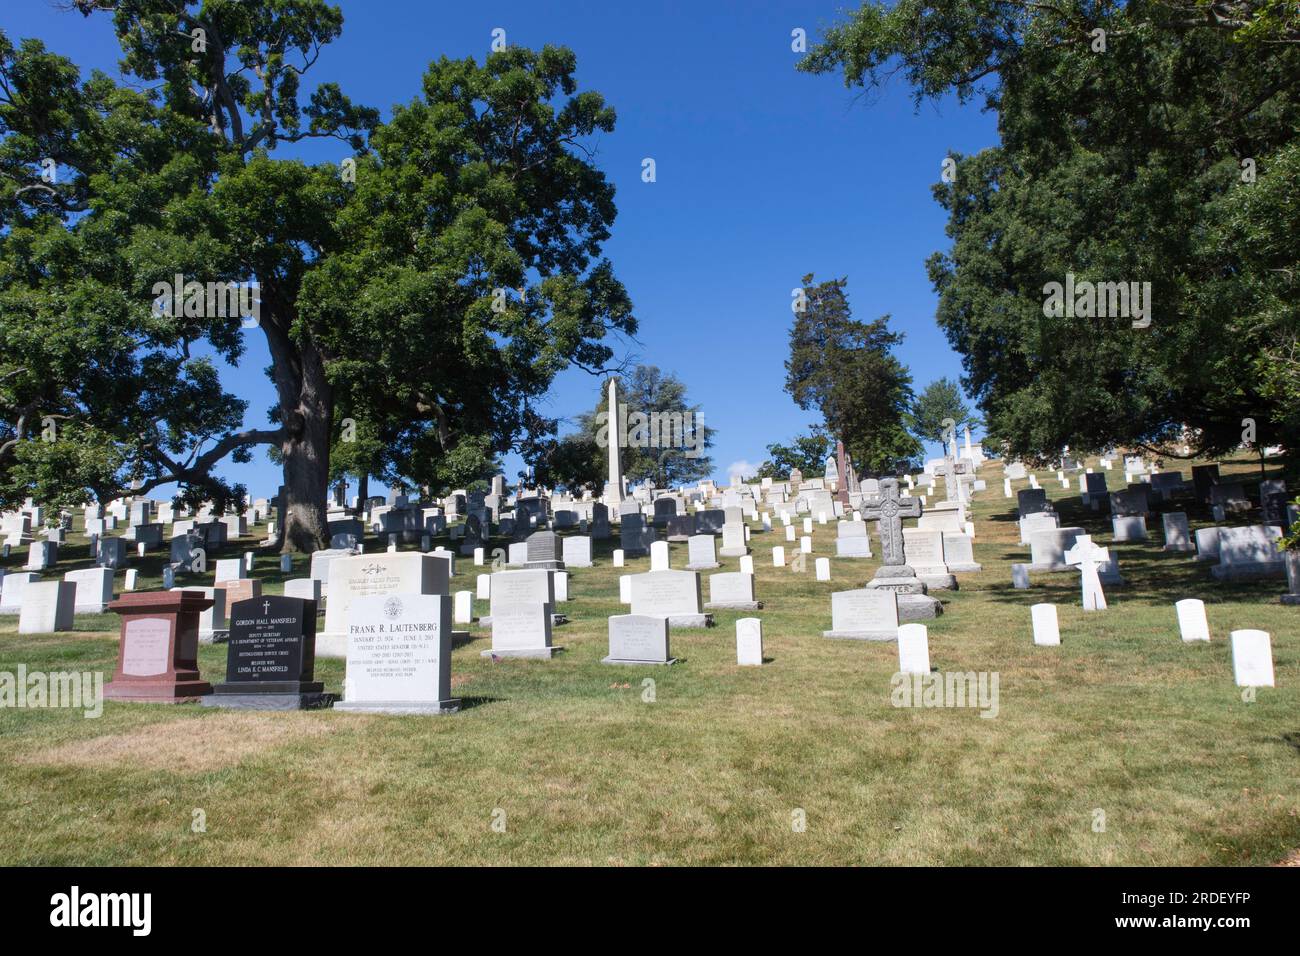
{"type": "Point", "coordinates": [666, 436]}
{"type": "Point", "coordinates": [846, 370]}
{"type": "Point", "coordinates": [573, 462]}
{"type": "Point", "coordinates": [1291, 540]}
{"type": "Point", "coordinates": [1123, 166]}
{"type": "Point", "coordinates": [1256, 21]}
{"type": "Point", "coordinates": [1248, 251]}
{"type": "Point", "coordinates": [78, 466]}
{"type": "Point", "coordinates": [940, 400]}
{"type": "Point", "coordinates": [808, 453]}
{"type": "Point", "coordinates": [383, 278]}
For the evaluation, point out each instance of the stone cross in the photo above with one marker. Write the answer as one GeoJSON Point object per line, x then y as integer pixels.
{"type": "Point", "coordinates": [890, 511]}
{"type": "Point", "coordinates": [1088, 556]}
{"type": "Point", "coordinates": [951, 483]}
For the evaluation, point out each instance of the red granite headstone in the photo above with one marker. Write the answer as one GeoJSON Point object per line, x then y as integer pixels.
{"type": "Point", "coordinates": [157, 659]}
{"type": "Point", "coordinates": [240, 589]}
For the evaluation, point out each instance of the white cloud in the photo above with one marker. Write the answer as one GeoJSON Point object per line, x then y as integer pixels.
{"type": "Point", "coordinates": [740, 470]}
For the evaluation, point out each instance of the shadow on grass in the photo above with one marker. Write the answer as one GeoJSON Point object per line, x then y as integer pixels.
{"type": "Point", "coordinates": [469, 703]}
{"type": "Point", "coordinates": [1162, 577]}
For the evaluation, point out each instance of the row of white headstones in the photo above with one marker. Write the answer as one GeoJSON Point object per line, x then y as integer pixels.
{"type": "Point", "coordinates": [1252, 650]}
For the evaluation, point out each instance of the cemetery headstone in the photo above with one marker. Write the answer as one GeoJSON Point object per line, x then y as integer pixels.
{"type": "Point", "coordinates": [913, 649]}
{"type": "Point", "coordinates": [864, 614]}
{"type": "Point", "coordinates": [270, 657]}
{"type": "Point", "coordinates": [1047, 632]}
{"type": "Point", "coordinates": [1087, 557]}
{"type": "Point", "coordinates": [671, 594]}
{"type": "Point", "coordinates": [638, 639]}
{"type": "Point", "coordinates": [399, 655]}
{"type": "Point", "coordinates": [700, 554]}
{"type": "Point", "coordinates": [732, 590]}
{"type": "Point", "coordinates": [357, 576]}
{"type": "Point", "coordinates": [1178, 536]}
{"type": "Point", "coordinates": [749, 642]}
{"type": "Point", "coordinates": [1249, 553]}
{"type": "Point", "coordinates": [895, 574]}
{"type": "Point", "coordinates": [577, 551]}
{"type": "Point", "coordinates": [157, 659]}
{"type": "Point", "coordinates": [852, 540]}
{"type": "Point", "coordinates": [1192, 624]}
{"type": "Point", "coordinates": [1127, 528]}
{"type": "Point", "coordinates": [1252, 658]}
{"type": "Point", "coordinates": [94, 589]}
{"type": "Point", "coordinates": [47, 607]}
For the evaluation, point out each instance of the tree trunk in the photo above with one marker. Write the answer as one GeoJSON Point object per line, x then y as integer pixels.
{"type": "Point", "coordinates": [363, 492]}
{"type": "Point", "coordinates": [306, 450]}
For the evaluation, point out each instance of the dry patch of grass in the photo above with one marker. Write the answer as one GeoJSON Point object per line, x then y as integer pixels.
{"type": "Point", "coordinates": [184, 745]}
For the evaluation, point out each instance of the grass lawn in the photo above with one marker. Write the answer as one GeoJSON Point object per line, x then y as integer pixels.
{"type": "Point", "coordinates": [575, 763]}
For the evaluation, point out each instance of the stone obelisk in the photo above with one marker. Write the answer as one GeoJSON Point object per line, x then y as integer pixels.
{"type": "Point", "coordinates": [842, 488]}
{"type": "Point", "coordinates": [614, 487]}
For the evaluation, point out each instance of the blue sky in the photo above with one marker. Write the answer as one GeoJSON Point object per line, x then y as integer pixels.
{"type": "Point", "coordinates": [764, 174]}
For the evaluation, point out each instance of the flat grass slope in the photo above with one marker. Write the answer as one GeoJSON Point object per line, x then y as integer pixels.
{"type": "Point", "coordinates": [1122, 746]}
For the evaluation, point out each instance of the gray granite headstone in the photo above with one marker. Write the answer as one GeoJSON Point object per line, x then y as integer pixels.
{"type": "Point", "coordinates": [638, 639]}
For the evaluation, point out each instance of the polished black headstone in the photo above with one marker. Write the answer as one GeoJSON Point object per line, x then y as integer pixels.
{"type": "Point", "coordinates": [271, 656]}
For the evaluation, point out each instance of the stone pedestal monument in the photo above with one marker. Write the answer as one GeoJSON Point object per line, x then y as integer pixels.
{"type": "Point", "coordinates": [895, 574]}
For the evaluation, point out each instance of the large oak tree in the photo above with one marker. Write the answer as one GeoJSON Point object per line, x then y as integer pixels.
{"type": "Point", "coordinates": [434, 279]}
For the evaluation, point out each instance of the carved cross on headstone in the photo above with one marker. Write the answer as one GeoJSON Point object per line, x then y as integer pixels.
{"type": "Point", "coordinates": [890, 511]}
{"type": "Point", "coordinates": [1088, 556]}
{"type": "Point", "coordinates": [951, 469]}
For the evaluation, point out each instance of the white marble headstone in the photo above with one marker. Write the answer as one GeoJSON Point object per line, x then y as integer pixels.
{"type": "Point", "coordinates": [1252, 658]}
{"type": "Point", "coordinates": [1192, 624]}
{"type": "Point", "coordinates": [1047, 632]}
{"type": "Point", "coordinates": [749, 642]}
{"type": "Point", "coordinates": [913, 649]}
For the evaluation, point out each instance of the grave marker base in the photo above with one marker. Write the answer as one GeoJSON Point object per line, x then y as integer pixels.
{"type": "Point", "coordinates": [938, 582]}
{"type": "Point", "coordinates": [538, 653]}
{"type": "Point", "coordinates": [269, 695]}
{"type": "Point", "coordinates": [183, 690]}
{"type": "Point", "coordinates": [414, 708]}
{"type": "Point", "coordinates": [486, 620]}
{"type": "Point", "coordinates": [690, 620]}
{"type": "Point", "coordinates": [865, 635]}
{"type": "Point", "coordinates": [619, 660]}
